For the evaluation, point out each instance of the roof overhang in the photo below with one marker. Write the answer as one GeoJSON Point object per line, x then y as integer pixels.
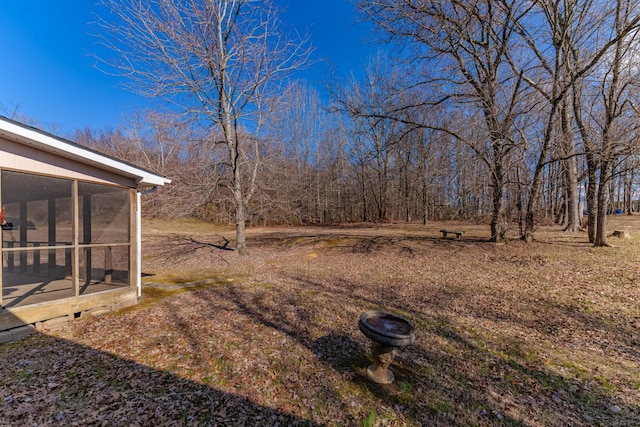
{"type": "Point", "coordinates": [46, 142]}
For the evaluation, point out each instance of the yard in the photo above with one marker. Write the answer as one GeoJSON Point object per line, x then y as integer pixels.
{"type": "Point", "coordinates": [540, 334]}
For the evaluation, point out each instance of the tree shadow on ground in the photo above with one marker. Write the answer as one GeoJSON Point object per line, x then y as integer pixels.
{"type": "Point", "coordinates": [50, 381]}
{"type": "Point", "coordinates": [357, 241]}
{"type": "Point", "coordinates": [562, 321]}
{"type": "Point", "coordinates": [182, 247]}
{"type": "Point", "coordinates": [446, 378]}
{"type": "Point", "coordinates": [346, 353]}
{"type": "Point", "coordinates": [460, 371]}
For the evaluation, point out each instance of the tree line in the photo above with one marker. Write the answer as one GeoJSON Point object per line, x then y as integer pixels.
{"type": "Point", "coordinates": [513, 112]}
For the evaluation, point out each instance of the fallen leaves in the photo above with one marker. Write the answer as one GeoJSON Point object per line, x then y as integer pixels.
{"type": "Point", "coordinates": [507, 334]}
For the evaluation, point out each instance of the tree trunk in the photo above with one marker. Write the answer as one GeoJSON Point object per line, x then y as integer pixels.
{"type": "Point", "coordinates": [592, 199]}
{"type": "Point", "coordinates": [241, 242]}
{"type": "Point", "coordinates": [529, 219]}
{"type": "Point", "coordinates": [603, 194]}
{"type": "Point", "coordinates": [628, 192]}
{"type": "Point", "coordinates": [573, 205]}
{"type": "Point", "coordinates": [498, 229]}
{"type": "Point", "coordinates": [537, 175]}
{"type": "Point", "coordinates": [239, 202]}
{"type": "Point", "coordinates": [572, 219]}
{"type": "Point", "coordinates": [592, 164]}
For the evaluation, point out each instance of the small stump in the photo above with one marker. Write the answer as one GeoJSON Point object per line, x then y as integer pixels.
{"type": "Point", "coordinates": [388, 332]}
{"type": "Point", "coordinates": [624, 234]}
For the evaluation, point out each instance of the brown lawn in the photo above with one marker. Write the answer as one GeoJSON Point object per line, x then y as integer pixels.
{"type": "Point", "coordinates": [541, 334]}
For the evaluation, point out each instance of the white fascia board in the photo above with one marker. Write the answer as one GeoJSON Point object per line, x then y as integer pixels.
{"type": "Point", "coordinates": [48, 143]}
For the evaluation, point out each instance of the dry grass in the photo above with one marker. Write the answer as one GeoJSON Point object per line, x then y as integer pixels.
{"type": "Point", "coordinates": [541, 334]}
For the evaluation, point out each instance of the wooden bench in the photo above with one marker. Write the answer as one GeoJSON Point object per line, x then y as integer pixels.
{"type": "Point", "coordinates": [446, 232]}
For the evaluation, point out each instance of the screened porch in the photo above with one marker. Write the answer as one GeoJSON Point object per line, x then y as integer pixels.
{"type": "Point", "coordinates": [62, 238]}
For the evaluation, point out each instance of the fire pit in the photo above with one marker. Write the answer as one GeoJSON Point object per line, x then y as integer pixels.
{"type": "Point", "coordinates": [388, 332]}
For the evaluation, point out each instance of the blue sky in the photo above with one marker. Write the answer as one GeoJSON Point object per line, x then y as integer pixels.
{"type": "Point", "coordinates": [47, 73]}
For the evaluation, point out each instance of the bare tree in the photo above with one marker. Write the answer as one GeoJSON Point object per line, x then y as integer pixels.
{"type": "Point", "coordinates": [157, 138]}
{"type": "Point", "coordinates": [164, 144]}
{"type": "Point", "coordinates": [572, 41]}
{"type": "Point", "coordinates": [464, 47]}
{"type": "Point", "coordinates": [615, 136]}
{"type": "Point", "coordinates": [216, 60]}
{"type": "Point", "coordinates": [369, 104]}
{"type": "Point", "coordinates": [294, 130]}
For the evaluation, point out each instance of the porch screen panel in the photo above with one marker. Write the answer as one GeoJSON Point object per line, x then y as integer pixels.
{"type": "Point", "coordinates": [37, 238]}
{"type": "Point", "coordinates": [104, 214]}
{"type": "Point", "coordinates": [39, 207]}
{"type": "Point", "coordinates": [104, 223]}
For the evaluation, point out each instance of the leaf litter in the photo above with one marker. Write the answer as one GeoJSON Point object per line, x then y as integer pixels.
{"type": "Point", "coordinates": [544, 334]}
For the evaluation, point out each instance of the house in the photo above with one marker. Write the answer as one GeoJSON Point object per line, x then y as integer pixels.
{"type": "Point", "coordinates": [71, 235]}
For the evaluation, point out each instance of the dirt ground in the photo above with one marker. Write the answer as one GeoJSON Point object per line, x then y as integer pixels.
{"type": "Point", "coordinates": [540, 334]}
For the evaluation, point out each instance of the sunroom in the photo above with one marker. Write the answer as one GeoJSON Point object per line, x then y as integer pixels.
{"type": "Point", "coordinates": [70, 228]}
